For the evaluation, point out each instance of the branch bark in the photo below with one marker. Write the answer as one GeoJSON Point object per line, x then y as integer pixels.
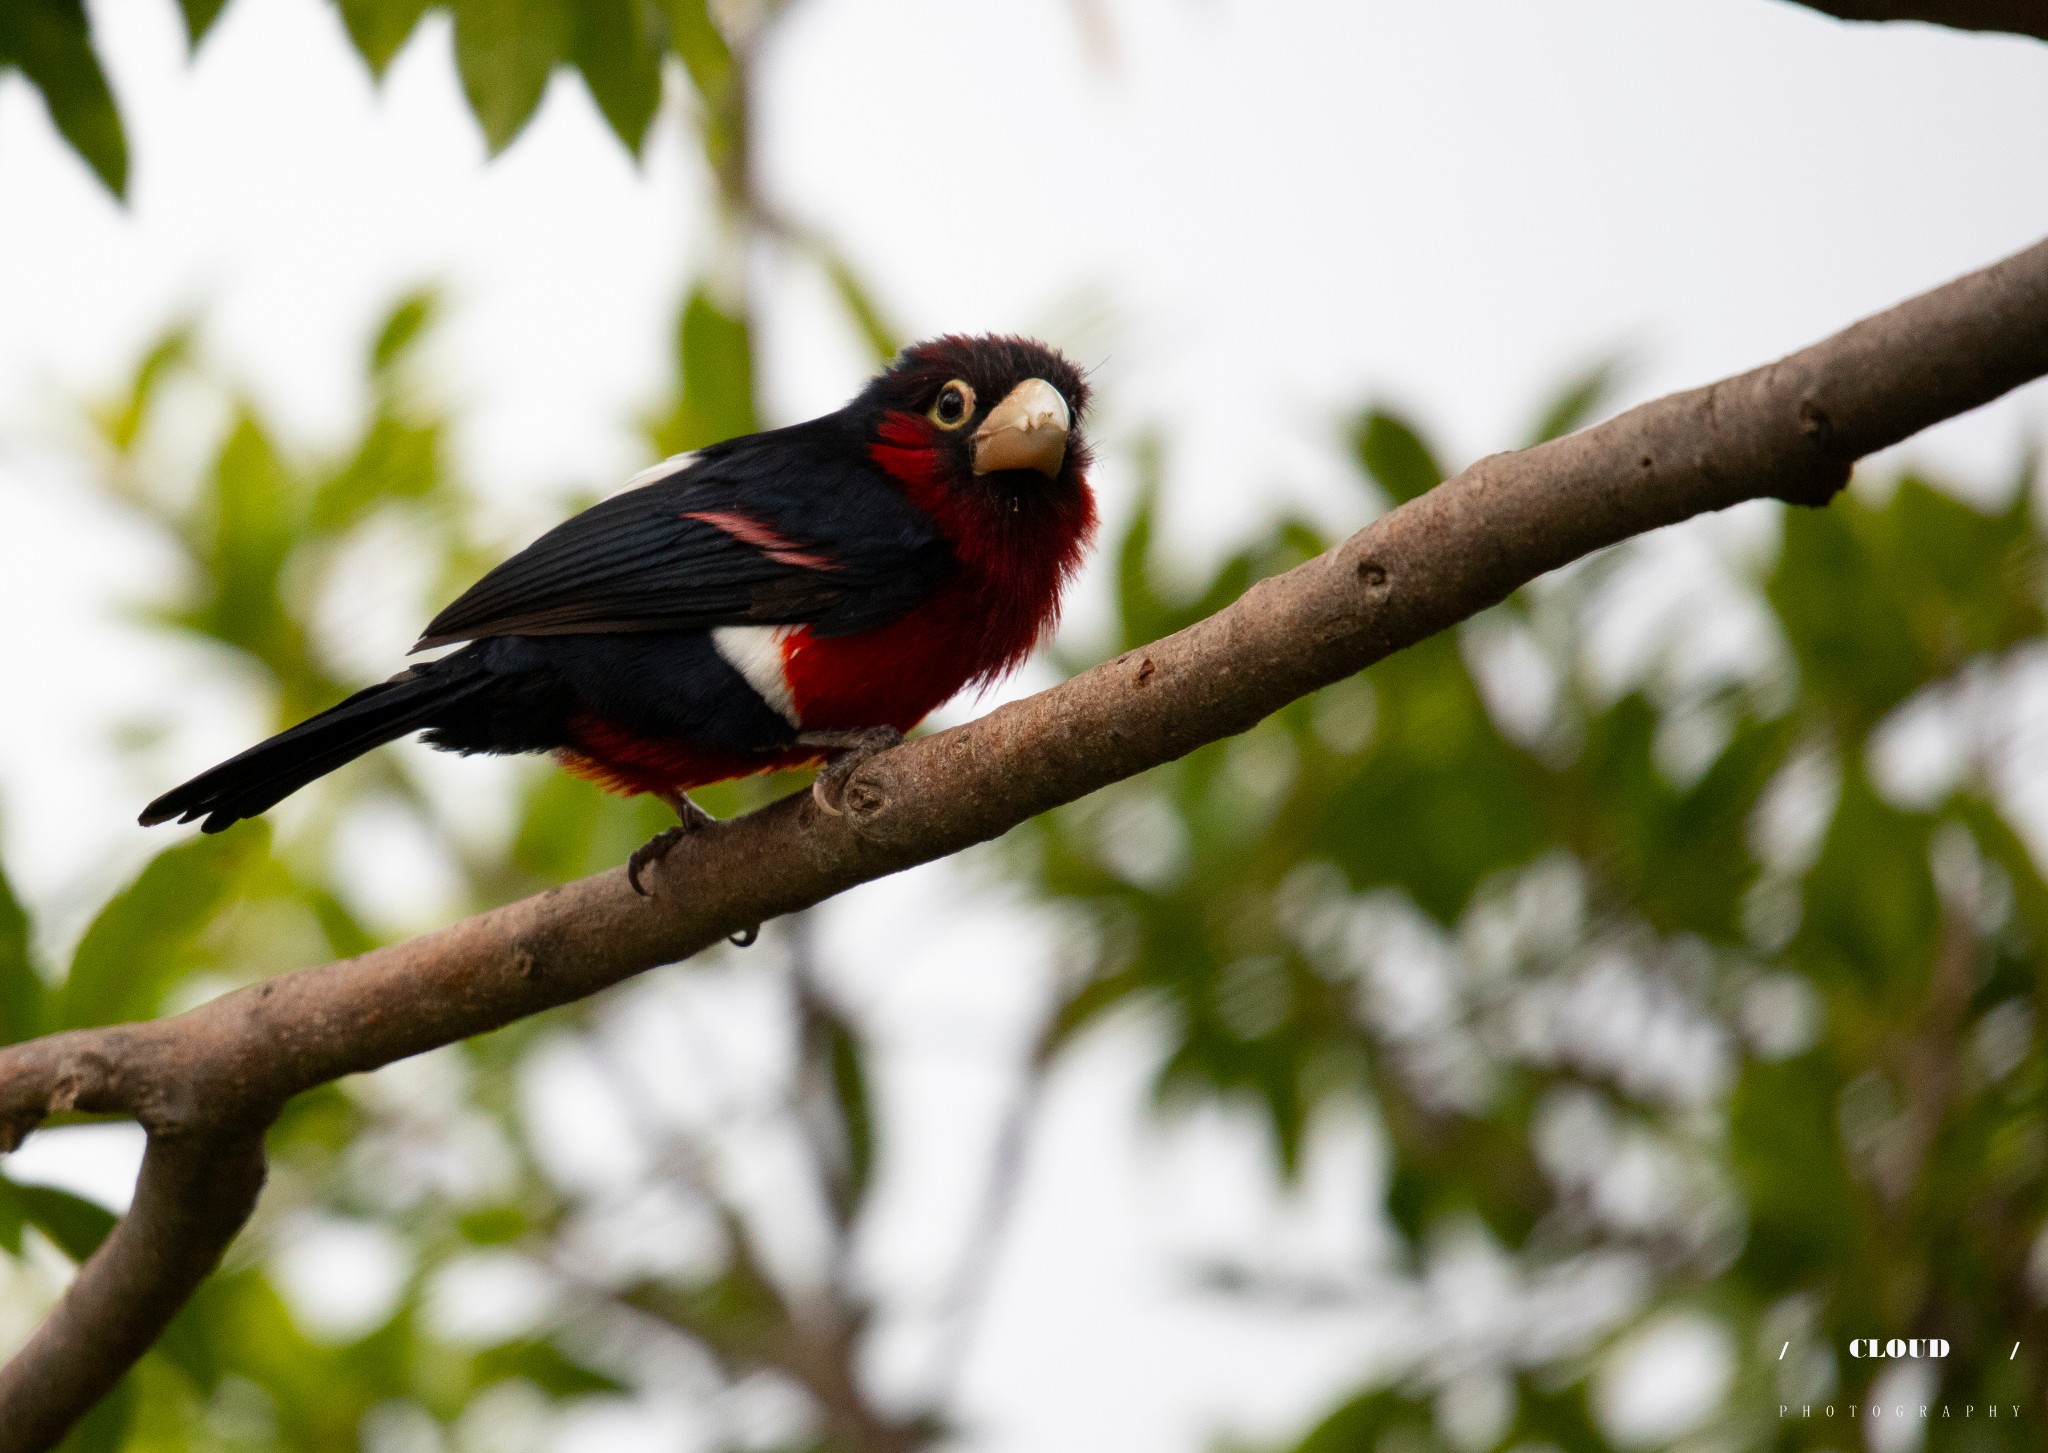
{"type": "Point", "coordinates": [1790, 430]}
{"type": "Point", "coordinates": [2016, 17]}
{"type": "Point", "coordinates": [194, 1193]}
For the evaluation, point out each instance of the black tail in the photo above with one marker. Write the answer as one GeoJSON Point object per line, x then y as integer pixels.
{"type": "Point", "coordinates": [272, 770]}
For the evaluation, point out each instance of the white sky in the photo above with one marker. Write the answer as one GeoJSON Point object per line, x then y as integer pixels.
{"type": "Point", "coordinates": [1248, 218]}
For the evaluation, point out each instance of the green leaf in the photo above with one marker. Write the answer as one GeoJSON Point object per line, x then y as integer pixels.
{"type": "Point", "coordinates": [505, 50]}
{"type": "Point", "coordinates": [404, 326]}
{"type": "Point", "coordinates": [1577, 402]}
{"type": "Point", "coordinates": [105, 1428]}
{"type": "Point", "coordinates": [882, 340]}
{"type": "Point", "coordinates": [721, 92]}
{"type": "Point", "coordinates": [199, 18]}
{"type": "Point", "coordinates": [380, 28]}
{"type": "Point", "coordinates": [137, 947]}
{"type": "Point", "coordinates": [1876, 601]}
{"type": "Point", "coordinates": [21, 987]}
{"type": "Point", "coordinates": [51, 44]}
{"type": "Point", "coordinates": [856, 1109]}
{"type": "Point", "coordinates": [1383, 1418]}
{"type": "Point", "coordinates": [1788, 1158]}
{"type": "Point", "coordinates": [716, 357]}
{"type": "Point", "coordinates": [1139, 609]}
{"type": "Point", "coordinates": [618, 47]}
{"type": "Point", "coordinates": [121, 419]}
{"type": "Point", "coordinates": [546, 1367]}
{"type": "Point", "coordinates": [705, 54]}
{"type": "Point", "coordinates": [1394, 454]}
{"type": "Point", "coordinates": [76, 1225]}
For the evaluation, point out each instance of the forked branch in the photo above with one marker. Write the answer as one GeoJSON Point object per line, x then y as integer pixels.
{"type": "Point", "coordinates": [204, 1083]}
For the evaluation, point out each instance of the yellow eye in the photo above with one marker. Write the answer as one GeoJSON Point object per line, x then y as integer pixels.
{"type": "Point", "coordinates": [953, 407]}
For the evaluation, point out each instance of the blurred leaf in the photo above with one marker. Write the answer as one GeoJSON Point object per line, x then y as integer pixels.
{"type": "Point", "coordinates": [1878, 600]}
{"type": "Point", "coordinates": [721, 114]}
{"type": "Point", "coordinates": [380, 28]}
{"type": "Point", "coordinates": [21, 987]}
{"type": "Point", "coordinates": [569, 827]}
{"type": "Point", "coordinates": [546, 1367]}
{"type": "Point", "coordinates": [696, 38]}
{"type": "Point", "coordinates": [1800, 1197]}
{"type": "Point", "coordinates": [1577, 402]}
{"type": "Point", "coordinates": [1871, 911]}
{"type": "Point", "coordinates": [404, 325]}
{"type": "Point", "coordinates": [1383, 1418]}
{"type": "Point", "coordinates": [850, 1083]}
{"type": "Point", "coordinates": [618, 46]}
{"type": "Point", "coordinates": [845, 1067]}
{"type": "Point", "coordinates": [50, 43]}
{"type": "Point", "coordinates": [860, 306]}
{"type": "Point", "coordinates": [105, 1428]}
{"type": "Point", "coordinates": [199, 18]}
{"type": "Point", "coordinates": [77, 1226]}
{"type": "Point", "coordinates": [1438, 800]}
{"type": "Point", "coordinates": [505, 51]}
{"type": "Point", "coordinates": [135, 950]}
{"type": "Point", "coordinates": [1394, 454]}
{"type": "Point", "coordinates": [715, 360]}
{"type": "Point", "coordinates": [121, 421]}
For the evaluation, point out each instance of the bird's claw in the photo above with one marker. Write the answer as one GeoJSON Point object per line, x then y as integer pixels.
{"type": "Point", "coordinates": [651, 852]}
{"type": "Point", "coordinates": [851, 751]}
{"type": "Point", "coordinates": [692, 818]}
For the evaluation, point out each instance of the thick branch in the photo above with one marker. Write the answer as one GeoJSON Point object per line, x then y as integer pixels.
{"type": "Point", "coordinates": [1789, 430]}
{"type": "Point", "coordinates": [2019, 17]}
{"type": "Point", "coordinates": [193, 1195]}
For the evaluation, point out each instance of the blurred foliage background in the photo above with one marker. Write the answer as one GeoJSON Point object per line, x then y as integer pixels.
{"type": "Point", "coordinates": [1692, 1005]}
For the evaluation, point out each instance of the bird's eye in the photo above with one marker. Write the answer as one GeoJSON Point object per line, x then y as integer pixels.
{"type": "Point", "coordinates": [954, 405]}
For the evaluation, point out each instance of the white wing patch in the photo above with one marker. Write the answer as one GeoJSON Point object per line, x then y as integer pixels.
{"type": "Point", "coordinates": [756, 653]}
{"type": "Point", "coordinates": [674, 464]}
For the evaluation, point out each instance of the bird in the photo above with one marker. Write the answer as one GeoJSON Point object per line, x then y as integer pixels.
{"type": "Point", "coordinates": [790, 598]}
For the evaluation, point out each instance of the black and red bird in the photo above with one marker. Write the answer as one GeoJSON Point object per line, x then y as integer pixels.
{"type": "Point", "coordinates": [773, 601]}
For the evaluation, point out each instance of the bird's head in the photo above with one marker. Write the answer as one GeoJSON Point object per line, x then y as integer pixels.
{"type": "Point", "coordinates": [985, 433]}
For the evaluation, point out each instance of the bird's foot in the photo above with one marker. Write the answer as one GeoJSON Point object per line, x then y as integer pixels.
{"type": "Point", "coordinates": [651, 852]}
{"type": "Point", "coordinates": [850, 750]}
{"type": "Point", "coordinates": [693, 819]}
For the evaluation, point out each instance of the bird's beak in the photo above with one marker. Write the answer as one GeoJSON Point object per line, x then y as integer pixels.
{"type": "Point", "coordinates": [1027, 430]}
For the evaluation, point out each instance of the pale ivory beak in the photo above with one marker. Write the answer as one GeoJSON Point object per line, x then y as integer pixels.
{"type": "Point", "coordinates": [1027, 430]}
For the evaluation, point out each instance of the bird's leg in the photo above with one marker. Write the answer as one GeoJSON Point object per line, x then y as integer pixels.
{"type": "Point", "coordinates": [849, 750]}
{"type": "Point", "coordinates": [692, 818]}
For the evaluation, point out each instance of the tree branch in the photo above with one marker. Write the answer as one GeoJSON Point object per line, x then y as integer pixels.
{"type": "Point", "coordinates": [1790, 430]}
{"type": "Point", "coordinates": [193, 1195]}
{"type": "Point", "coordinates": [2019, 17]}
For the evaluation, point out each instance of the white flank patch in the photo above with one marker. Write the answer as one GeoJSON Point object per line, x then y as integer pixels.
{"type": "Point", "coordinates": [756, 653]}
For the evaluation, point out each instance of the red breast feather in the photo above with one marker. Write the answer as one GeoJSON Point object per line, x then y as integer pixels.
{"type": "Point", "coordinates": [1017, 554]}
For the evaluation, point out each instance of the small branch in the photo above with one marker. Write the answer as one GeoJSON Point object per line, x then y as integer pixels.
{"type": "Point", "coordinates": [749, 1324]}
{"type": "Point", "coordinates": [2018, 17]}
{"type": "Point", "coordinates": [1790, 430]}
{"type": "Point", "coordinates": [194, 1194]}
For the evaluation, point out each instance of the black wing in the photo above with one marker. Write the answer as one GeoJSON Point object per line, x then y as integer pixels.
{"type": "Point", "coordinates": [784, 528]}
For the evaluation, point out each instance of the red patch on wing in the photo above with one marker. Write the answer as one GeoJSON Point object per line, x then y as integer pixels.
{"type": "Point", "coordinates": [770, 542]}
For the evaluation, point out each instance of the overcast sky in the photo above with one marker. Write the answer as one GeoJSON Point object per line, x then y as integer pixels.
{"type": "Point", "coordinates": [1247, 218]}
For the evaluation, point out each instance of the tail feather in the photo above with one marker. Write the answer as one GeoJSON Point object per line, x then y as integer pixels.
{"type": "Point", "coordinates": [272, 770]}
